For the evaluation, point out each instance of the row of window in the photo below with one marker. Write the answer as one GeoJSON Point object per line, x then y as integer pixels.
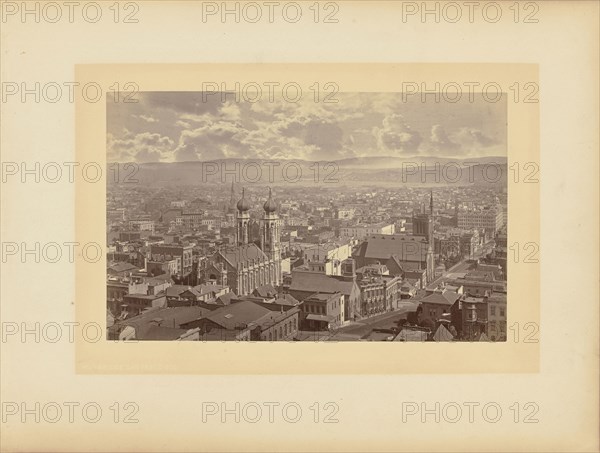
{"type": "Point", "coordinates": [283, 331]}
{"type": "Point", "coordinates": [493, 310]}
{"type": "Point", "coordinates": [254, 280]}
{"type": "Point", "coordinates": [434, 313]}
{"type": "Point", "coordinates": [316, 309]}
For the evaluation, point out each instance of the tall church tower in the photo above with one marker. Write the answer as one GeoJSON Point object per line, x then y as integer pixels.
{"type": "Point", "coordinates": [270, 237]}
{"type": "Point", "coordinates": [243, 217]}
{"type": "Point", "coordinates": [430, 240]}
{"type": "Point", "coordinates": [231, 205]}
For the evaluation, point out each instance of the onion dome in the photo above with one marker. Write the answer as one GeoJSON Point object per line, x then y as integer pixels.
{"type": "Point", "coordinates": [243, 204]}
{"type": "Point", "coordinates": [270, 205]}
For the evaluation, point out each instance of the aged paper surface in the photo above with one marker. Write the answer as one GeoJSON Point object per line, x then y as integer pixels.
{"type": "Point", "coordinates": [512, 87]}
{"type": "Point", "coordinates": [341, 357]}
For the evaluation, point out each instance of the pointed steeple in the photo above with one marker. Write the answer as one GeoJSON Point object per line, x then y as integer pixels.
{"type": "Point", "coordinates": [270, 205]}
{"type": "Point", "coordinates": [431, 202]}
{"type": "Point", "coordinates": [430, 239]}
{"type": "Point", "coordinates": [232, 196]}
{"type": "Point", "coordinates": [243, 205]}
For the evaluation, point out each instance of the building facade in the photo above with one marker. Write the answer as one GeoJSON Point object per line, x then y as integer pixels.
{"type": "Point", "coordinates": [361, 231]}
{"type": "Point", "coordinates": [246, 266]}
{"type": "Point", "coordinates": [490, 219]}
{"type": "Point", "coordinates": [183, 254]}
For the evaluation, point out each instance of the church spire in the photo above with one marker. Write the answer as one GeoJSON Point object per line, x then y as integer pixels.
{"type": "Point", "coordinates": [270, 205]}
{"type": "Point", "coordinates": [243, 205]}
{"type": "Point", "coordinates": [270, 238]}
{"type": "Point", "coordinates": [232, 196]}
{"type": "Point", "coordinates": [431, 202]}
{"type": "Point", "coordinates": [430, 239]}
{"type": "Point", "coordinates": [243, 217]}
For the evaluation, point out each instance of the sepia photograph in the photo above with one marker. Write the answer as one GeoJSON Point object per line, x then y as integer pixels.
{"type": "Point", "coordinates": [325, 226]}
{"type": "Point", "coordinates": [266, 215]}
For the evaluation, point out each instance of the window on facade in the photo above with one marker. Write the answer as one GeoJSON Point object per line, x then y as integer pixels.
{"type": "Point", "coordinates": [280, 332]}
{"type": "Point", "coordinates": [294, 323]}
{"type": "Point", "coordinates": [502, 312]}
{"type": "Point", "coordinates": [493, 310]}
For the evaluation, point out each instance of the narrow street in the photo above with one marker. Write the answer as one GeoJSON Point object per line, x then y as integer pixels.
{"type": "Point", "coordinates": [384, 320]}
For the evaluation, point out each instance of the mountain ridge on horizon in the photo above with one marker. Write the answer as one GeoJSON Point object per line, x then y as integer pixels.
{"type": "Point", "coordinates": [346, 160]}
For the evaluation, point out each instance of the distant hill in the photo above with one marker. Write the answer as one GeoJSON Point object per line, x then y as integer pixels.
{"type": "Point", "coordinates": [415, 170]}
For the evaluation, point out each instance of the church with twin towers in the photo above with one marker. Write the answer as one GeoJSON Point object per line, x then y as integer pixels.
{"type": "Point", "coordinates": [245, 266]}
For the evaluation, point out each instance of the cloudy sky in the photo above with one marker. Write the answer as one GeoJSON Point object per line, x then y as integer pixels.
{"type": "Point", "coordinates": [182, 126]}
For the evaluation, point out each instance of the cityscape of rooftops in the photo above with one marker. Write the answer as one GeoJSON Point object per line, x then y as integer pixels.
{"type": "Point", "coordinates": [382, 246]}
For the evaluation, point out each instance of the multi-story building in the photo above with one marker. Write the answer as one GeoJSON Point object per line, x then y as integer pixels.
{"type": "Point", "coordinates": [192, 220]}
{"type": "Point", "coordinates": [305, 283]}
{"type": "Point", "coordinates": [330, 255]}
{"type": "Point", "coordinates": [437, 304]}
{"type": "Point", "coordinates": [296, 221]}
{"type": "Point", "coordinates": [115, 215]}
{"type": "Point", "coordinates": [496, 327]}
{"type": "Point", "coordinates": [141, 225]}
{"type": "Point", "coordinates": [249, 320]}
{"type": "Point", "coordinates": [474, 317]}
{"type": "Point", "coordinates": [379, 291]}
{"type": "Point", "coordinates": [457, 243]}
{"type": "Point", "coordinates": [323, 311]}
{"type": "Point", "coordinates": [169, 252]}
{"type": "Point", "coordinates": [165, 266]}
{"type": "Point", "coordinates": [119, 287]}
{"type": "Point", "coordinates": [361, 231]}
{"type": "Point", "coordinates": [406, 251]}
{"type": "Point", "coordinates": [345, 213]}
{"type": "Point", "coordinates": [135, 304]}
{"type": "Point", "coordinates": [490, 218]}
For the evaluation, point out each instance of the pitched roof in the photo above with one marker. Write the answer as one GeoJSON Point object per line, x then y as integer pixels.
{"type": "Point", "coordinates": [121, 266]}
{"type": "Point", "coordinates": [176, 290]}
{"type": "Point", "coordinates": [207, 288]}
{"type": "Point", "coordinates": [158, 280]}
{"type": "Point", "coordinates": [286, 299]}
{"type": "Point", "coordinates": [442, 298]}
{"type": "Point", "coordinates": [171, 317]}
{"type": "Point", "coordinates": [318, 297]}
{"type": "Point", "coordinates": [265, 291]}
{"type": "Point", "coordinates": [240, 314]}
{"type": "Point", "coordinates": [225, 299]}
{"type": "Point", "coordinates": [407, 266]}
{"type": "Point", "coordinates": [411, 335]}
{"type": "Point", "coordinates": [483, 337]}
{"type": "Point", "coordinates": [383, 246]}
{"type": "Point", "coordinates": [242, 254]}
{"type": "Point", "coordinates": [442, 334]}
{"type": "Point", "coordinates": [158, 333]}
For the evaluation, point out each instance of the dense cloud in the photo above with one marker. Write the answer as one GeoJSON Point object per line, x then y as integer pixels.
{"type": "Point", "coordinates": [397, 136]}
{"type": "Point", "coordinates": [187, 127]}
{"type": "Point", "coordinates": [142, 147]}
